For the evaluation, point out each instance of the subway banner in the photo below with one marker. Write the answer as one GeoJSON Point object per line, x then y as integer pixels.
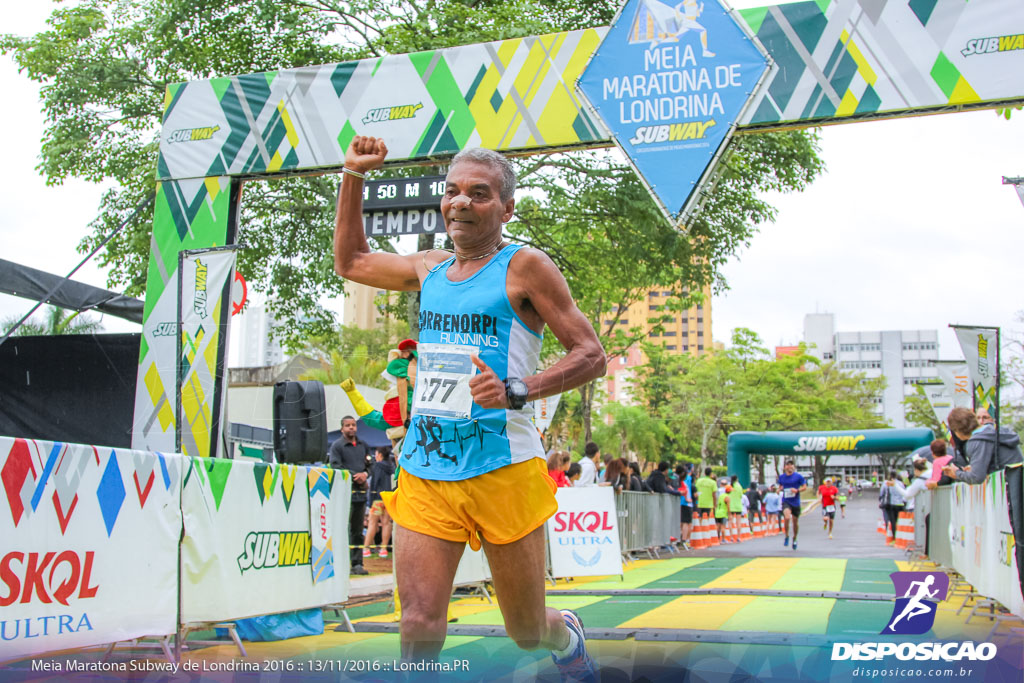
{"type": "Point", "coordinates": [981, 351]}
{"type": "Point", "coordinates": [203, 296]}
{"type": "Point", "coordinates": [82, 529]}
{"type": "Point", "coordinates": [583, 536]}
{"type": "Point", "coordinates": [983, 543]}
{"type": "Point", "coordinates": [189, 214]}
{"type": "Point", "coordinates": [247, 549]}
{"type": "Point", "coordinates": [833, 61]}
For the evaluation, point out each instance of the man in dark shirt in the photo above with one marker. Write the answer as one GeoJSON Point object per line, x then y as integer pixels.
{"type": "Point", "coordinates": [754, 499]}
{"type": "Point", "coordinates": [351, 453]}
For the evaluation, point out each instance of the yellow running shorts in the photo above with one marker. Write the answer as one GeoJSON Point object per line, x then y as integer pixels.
{"type": "Point", "coordinates": [503, 505]}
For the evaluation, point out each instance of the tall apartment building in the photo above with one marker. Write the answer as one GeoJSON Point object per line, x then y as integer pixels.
{"type": "Point", "coordinates": [361, 306]}
{"type": "Point", "coordinates": [687, 332]}
{"type": "Point", "coordinates": [903, 357]}
{"type": "Point", "coordinates": [256, 346]}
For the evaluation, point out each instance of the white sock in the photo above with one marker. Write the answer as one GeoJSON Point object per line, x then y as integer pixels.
{"type": "Point", "coordinates": [574, 641]}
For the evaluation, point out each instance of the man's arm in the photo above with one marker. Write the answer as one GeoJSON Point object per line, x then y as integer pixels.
{"type": "Point", "coordinates": [353, 259]}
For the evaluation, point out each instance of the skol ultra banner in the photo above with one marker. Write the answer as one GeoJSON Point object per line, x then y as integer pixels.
{"type": "Point", "coordinates": [983, 543]}
{"type": "Point", "coordinates": [583, 536]}
{"type": "Point", "coordinates": [89, 545]}
{"type": "Point", "coordinates": [473, 568]}
{"type": "Point", "coordinates": [247, 549]}
{"type": "Point", "coordinates": [204, 280]}
{"type": "Point", "coordinates": [981, 350]}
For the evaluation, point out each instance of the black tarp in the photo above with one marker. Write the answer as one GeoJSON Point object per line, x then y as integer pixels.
{"type": "Point", "coordinates": [34, 284]}
{"type": "Point", "coordinates": [78, 388]}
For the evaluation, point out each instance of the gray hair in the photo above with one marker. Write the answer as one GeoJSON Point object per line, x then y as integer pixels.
{"type": "Point", "coordinates": [488, 157]}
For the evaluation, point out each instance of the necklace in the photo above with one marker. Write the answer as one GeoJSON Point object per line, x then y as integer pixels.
{"type": "Point", "coordinates": [477, 258]}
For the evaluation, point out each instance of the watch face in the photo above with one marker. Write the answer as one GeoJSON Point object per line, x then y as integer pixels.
{"type": "Point", "coordinates": [516, 393]}
{"type": "Point", "coordinates": [519, 388]}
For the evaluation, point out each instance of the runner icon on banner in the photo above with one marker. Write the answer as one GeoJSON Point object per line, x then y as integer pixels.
{"type": "Point", "coordinates": [442, 380]}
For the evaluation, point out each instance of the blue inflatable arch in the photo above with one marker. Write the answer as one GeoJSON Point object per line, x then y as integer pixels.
{"type": "Point", "coordinates": [854, 442]}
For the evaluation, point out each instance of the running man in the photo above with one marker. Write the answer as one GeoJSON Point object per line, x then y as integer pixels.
{"type": "Point", "coordinates": [828, 494]}
{"type": "Point", "coordinates": [792, 483]}
{"type": "Point", "coordinates": [914, 607]}
{"type": "Point", "coordinates": [841, 499]}
{"type": "Point", "coordinates": [687, 12]}
{"type": "Point", "coordinates": [473, 464]}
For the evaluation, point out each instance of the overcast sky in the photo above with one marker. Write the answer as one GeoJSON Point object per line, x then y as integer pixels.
{"type": "Point", "coordinates": [909, 227]}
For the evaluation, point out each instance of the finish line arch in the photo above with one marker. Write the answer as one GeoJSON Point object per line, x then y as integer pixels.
{"type": "Point", "coordinates": [518, 96]}
{"type": "Point", "coordinates": [851, 442]}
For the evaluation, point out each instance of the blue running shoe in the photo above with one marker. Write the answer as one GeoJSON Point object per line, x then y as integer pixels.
{"type": "Point", "coordinates": [579, 666]}
{"type": "Point", "coordinates": [794, 544]}
{"type": "Point", "coordinates": [785, 542]}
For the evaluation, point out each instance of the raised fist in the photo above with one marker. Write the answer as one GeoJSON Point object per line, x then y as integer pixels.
{"type": "Point", "coordinates": [365, 154]}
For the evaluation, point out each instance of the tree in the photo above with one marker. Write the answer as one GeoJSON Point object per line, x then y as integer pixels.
{"type": "Point", "coordinates": [104, 66]}
{"type": "Point", "coordinates": [918, 411]}
{"type": "Point", "coordinates": [631, 431]}
{"type": "Point", "coordinates": [703, 400]}
{"type": "Point", "coordinates": [55, 321]}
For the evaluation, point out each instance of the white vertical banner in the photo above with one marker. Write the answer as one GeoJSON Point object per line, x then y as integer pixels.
{"type": "Point", "coordinates": [939, 398]}
{"type": "Point", "coordinates": [981, 348]}
{"type": "Point", "coordinates": [953, 374]}
{"type": "Point", "coordinates": [204, 279]}
{"type": "Point", "coordinates": [982, 541]}
{"type": "Point", "coordinates": [583, 536]}
{"type": "Point", "coordinates": [1020, 191]}
{"type": "Point", "coordinates": [544, 411]}
{"type": "Point", "coordinates": [321, 560]}
{"type": "Point", "coordinates": [88, 545]}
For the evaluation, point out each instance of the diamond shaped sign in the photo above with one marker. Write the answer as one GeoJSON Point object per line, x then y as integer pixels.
{"type": "Point", "coordinates": [670, 81]}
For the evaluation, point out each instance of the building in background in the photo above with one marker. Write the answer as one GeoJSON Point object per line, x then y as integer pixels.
{"type": "Point", "coordinates": [256, 347]}
{"type": "Point", "coordinates": [365, 306]}
{"type": "Point", "coordinates": [687, 332]}
{"type": "Point", "coordinates": [819, 335]}
{"type": "Point", "coordinates": [781, 351]}
{"type": "Point", "coordinates": [903, 357]}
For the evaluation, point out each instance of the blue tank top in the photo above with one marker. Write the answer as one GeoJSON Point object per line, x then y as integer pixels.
{"type": "Point", "coordinates": [474, 312]}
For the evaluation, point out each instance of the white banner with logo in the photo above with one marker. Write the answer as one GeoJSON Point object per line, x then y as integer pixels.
{"type": "Point", "coordinates": [247, 549]}
{"type": "Point", "coordinates": [321, 560]}
{"type": "Point", "coordinates": [955, 378]}
{"type": "Point", "coordinates": [205, 278]}
{"type": "Point", "coordinates": [982, 542]}
{"type": "Point", "coordinates": [544, 411]}
{"type": "Point", "coordinates": [583, 536]}
{"type": "Point", "coordinates": [88, 534]}
{"type": "Point", "coordinates": [939, 398]}
{"type": "Point", "coordinates": [981, 348]}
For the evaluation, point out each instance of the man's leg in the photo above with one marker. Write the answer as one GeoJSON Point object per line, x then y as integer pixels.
{"type": "Point", "coordinates": [786, 515]}
{"type": "Point", "coordinates": [796, 526]}
{"type": "Point", "coordinates": [356, 515]}
{"type": "Point", "coordinates": [424, 570]}
{"type": "Point", "coordinates": [371, 533]}
{"type": "Point", "coordinates": [517, 570]}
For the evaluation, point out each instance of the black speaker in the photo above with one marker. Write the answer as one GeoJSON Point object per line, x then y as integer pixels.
{"type": "Point", "coordinates": [300, 422]}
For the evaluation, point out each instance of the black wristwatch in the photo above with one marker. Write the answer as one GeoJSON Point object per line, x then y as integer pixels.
{"type": "Point", "coordinates": [516, 392]}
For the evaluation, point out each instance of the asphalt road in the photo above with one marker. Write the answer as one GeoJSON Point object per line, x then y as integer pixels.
{"type": "Point", "coordinates": [855, 535]}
